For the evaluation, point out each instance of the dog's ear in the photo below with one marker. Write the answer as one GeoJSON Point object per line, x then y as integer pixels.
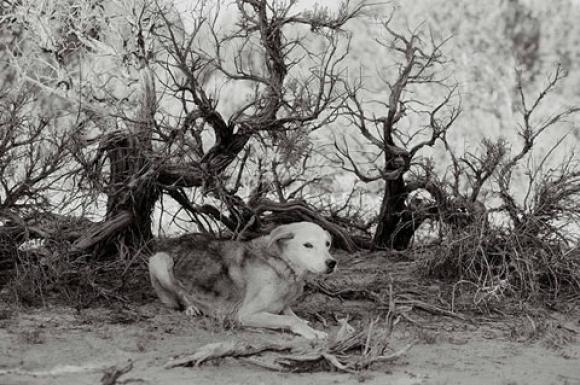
{"type": "Point", "coordinates": [280, 233]}
{"type": "Point", "coordinates": [329, 236]}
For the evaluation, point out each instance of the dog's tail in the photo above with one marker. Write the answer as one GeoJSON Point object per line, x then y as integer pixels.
{"type": "Point", "coordinates": [163, 280]}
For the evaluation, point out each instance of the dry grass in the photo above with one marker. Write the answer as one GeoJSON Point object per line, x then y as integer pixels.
{"type": "Point", "coordinates": [495, 265]}
{"type": "Point", "coordinates": [43, 276]}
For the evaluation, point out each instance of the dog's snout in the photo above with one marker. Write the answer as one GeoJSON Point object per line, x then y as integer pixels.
{"type": "Point", "coordinates": [331, 263]}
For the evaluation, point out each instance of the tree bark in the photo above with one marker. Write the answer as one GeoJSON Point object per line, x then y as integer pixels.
{"type": "Point", "coordinates": [392, 230]}
{"type": "Point", "coordinates": [132, 191]}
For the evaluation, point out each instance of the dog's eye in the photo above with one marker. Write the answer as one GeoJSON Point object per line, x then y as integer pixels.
{"type": "Point", "coordinates": [327, 243]}
{"type": "Point", "coordinates": [308, 245]}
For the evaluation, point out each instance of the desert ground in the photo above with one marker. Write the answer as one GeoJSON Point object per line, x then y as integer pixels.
{"type": "Point", "coordinates": [58, 344]}
{"type": "Point", "coordinates": [61, 346]}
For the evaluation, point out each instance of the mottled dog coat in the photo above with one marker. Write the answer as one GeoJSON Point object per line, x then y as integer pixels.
{"type": "Point", "coordinates": [251, 282]}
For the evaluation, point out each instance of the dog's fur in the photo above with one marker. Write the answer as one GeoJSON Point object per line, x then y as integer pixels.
{"type": "Point", "coordinates": [251, 282]}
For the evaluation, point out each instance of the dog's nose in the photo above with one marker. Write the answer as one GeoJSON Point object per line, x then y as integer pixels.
{"type": "Point", "coordinates": [331, 263]}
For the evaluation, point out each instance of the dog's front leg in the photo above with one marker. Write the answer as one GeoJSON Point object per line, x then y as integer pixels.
{"type": "Point", "coordinates": [289, 312]}
{"type": "Point", "coordinates": [275, 321]}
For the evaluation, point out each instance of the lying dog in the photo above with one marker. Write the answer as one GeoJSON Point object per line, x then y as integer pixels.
{"type": "Point", "coordinates": [252, 282]}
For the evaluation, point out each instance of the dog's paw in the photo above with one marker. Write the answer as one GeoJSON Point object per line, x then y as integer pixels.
{"type": "Point", "coordinates": [307, 332]}
{"type": "Point", "coordinates": [192, 311]}
{"type": "Point", "coordinates": [301, 320]}
{"type": "Point", "coordinates": [320, 334]}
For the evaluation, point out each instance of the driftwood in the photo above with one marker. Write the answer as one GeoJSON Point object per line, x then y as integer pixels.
{"type": "Point", "coordinates": [346, 350]}
{"type": "Point", "coordinates": [226, 349]}
{"type": "Point", "coordinates": [350, 364]}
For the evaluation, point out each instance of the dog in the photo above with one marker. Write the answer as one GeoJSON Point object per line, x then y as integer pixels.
{"type": "Point", "coordinates": [253, 283]}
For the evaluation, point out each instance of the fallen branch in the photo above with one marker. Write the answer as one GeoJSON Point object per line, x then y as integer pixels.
{"type": "Point", "coordinates": [345, 350]}
{"type": "Point", "coordinates": [102, 231]}
{"type": "Point", "coordinates": [226, 349]}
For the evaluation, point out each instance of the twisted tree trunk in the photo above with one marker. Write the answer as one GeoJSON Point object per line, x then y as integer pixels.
{"type": "Point", "coordinates": [133, 190]}
{"type": "Point", "coordinates": [394, 230]}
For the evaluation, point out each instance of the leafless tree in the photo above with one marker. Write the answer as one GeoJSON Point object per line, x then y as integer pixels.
{"type": "Point", "coordinates": [288, 63]}
{"type": "Point", "coordinates": [394, 151]}
{"type": "Point", "coordinates": [549, 195]}
{"type": "Point", "coordinates": [33, 154]}
{"type": "Point", "coordinates": [291, 87]}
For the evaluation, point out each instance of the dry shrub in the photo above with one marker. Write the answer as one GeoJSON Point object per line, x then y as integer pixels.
{"type": "Point", "coordinates": [505, 262]}
{"type": "Point", "coordinates": [534, 253]}
{"type": "Point", "coordinates": [50, 273]}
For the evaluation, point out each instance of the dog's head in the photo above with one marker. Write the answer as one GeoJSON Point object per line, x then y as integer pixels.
{"type": "Point", "coordinates": [306, 245]}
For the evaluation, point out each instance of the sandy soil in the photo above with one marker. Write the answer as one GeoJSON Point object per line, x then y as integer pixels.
{"type": "Point", "coordinates": [66, 347]}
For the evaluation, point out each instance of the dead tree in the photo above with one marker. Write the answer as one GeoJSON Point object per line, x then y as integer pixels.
{"type": "Point", "coordinates": [137, 154]}
{"type": "Point", "coordinates": [394, 150]}
{"type": "Point", "coordinates": [292, 88]}
{"type": "Point", "coordinates": [556, 190]}
{"type": "Point", "coordinates": [32, 155]}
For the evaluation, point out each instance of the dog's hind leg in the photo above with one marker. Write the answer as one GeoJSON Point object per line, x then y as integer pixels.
{"type": "Point", "coordinates": [162, 279]}
{"type": "Point", "coordinates": [169, 290]}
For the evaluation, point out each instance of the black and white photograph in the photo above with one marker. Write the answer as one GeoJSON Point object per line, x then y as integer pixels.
{"type": "Point", "coordinates": [300, 192]}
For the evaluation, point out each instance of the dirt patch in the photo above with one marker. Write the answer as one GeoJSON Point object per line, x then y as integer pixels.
{"type": "Point", "coordinates": [64, 346]}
